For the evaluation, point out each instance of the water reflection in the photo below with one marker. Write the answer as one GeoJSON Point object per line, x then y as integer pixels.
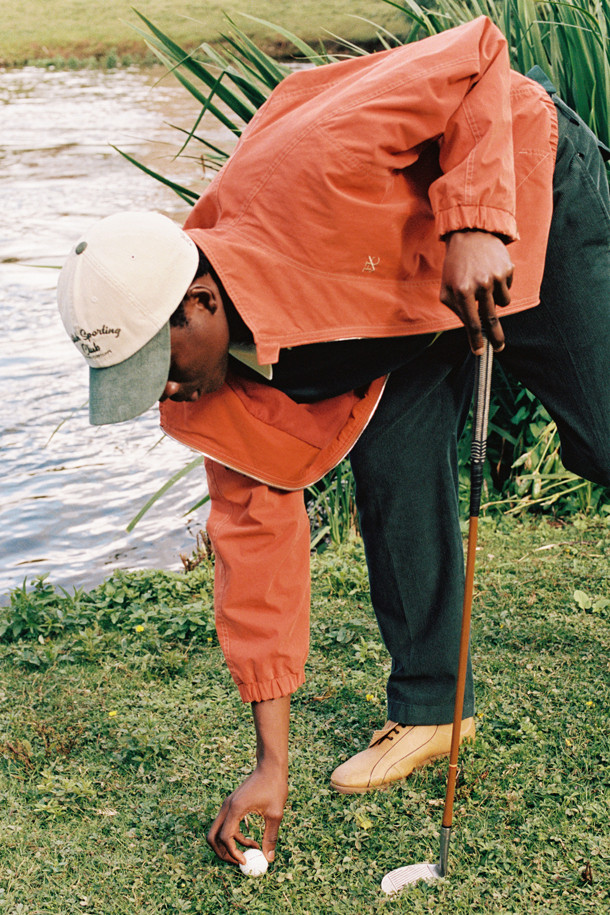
{"type": "Point", "coordinates": [68, 489]}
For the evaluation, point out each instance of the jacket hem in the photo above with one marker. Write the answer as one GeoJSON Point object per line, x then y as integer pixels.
{"type": "Point", "coordinates": [298, 474]}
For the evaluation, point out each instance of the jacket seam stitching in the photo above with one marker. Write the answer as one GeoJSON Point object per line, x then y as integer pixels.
{"type": "Point", "coordinates": [542, 159]}
{"type": "Point", "coordinates": [471, 121]}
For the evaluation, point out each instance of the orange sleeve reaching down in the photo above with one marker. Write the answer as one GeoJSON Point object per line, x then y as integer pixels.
{"type": "Point", "coordinates": [262, 591]}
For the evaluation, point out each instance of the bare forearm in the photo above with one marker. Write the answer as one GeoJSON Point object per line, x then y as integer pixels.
{"type": "Point", "coordinates": [264, 791]}
{"type": "Point", "coordinates": [272, 722]}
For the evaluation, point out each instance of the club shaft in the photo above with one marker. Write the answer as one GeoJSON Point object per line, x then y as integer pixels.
{"type": "Point", "coordinates": [462, 668]}
{"type": "Point", "coordinates": [478, 448]}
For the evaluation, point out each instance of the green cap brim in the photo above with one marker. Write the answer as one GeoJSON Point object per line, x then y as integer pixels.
{"type": "Point", "coordinates": [123, 391]}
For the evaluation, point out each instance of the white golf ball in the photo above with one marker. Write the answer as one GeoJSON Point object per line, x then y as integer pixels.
{"type": "Point", "coordinates": [256, 863]}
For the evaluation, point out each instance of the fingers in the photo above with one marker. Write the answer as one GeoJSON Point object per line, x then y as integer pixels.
{"type": "Point", "coordinates": [476, 281]}
{"type": "Point", "coordinates": [489, 323]}
{"type": "Point", "coordinates": [477, 311]}
{"type": "Point", "coordinates": [223, 835]}
{"type": "Point", "coordinates": [478, 315]}
{"type": "Point", "coordinates": [225, 832]}
{"type": "Point", "coordinates": [272, 828]}
{"type": "Point", "coordinates": [501, 290]}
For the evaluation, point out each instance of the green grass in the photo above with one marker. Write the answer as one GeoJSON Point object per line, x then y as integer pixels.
{"type": "Point", "coordinates": [121, 733]}
{"type": "Point", "coordinates": [77, 29]}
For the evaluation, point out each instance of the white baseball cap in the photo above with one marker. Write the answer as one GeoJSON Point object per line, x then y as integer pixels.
{"type": "Point", "coordinates": [117, 290]}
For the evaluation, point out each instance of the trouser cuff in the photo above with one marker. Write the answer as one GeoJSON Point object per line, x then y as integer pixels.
{"type": "Point", "coordinates": [405, 713]}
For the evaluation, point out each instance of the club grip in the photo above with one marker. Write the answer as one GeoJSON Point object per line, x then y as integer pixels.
{"type": "Point", "coordinates": [478, 448]}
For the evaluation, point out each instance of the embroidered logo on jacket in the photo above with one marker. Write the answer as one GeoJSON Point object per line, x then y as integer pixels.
{"type": "Point", "coordinates": [371, 263]}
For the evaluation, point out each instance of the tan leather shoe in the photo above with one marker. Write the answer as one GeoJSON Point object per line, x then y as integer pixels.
{"type": "Point", "coordinates": [394, 752]}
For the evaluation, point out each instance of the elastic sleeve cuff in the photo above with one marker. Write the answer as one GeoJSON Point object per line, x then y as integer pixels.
{"type": "Point", "coordinates": [271, 689]}
{"type": "Point", "coordinates": [473, 216]}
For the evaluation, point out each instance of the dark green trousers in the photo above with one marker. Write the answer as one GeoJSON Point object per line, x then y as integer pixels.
{"type": "Point", "coordinates": [405, 463]}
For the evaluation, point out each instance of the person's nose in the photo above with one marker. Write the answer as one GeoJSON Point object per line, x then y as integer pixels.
{"type": "Point", "coordinates": [171, 389]}
{"type": "Point", "coordinates": [180, 392]}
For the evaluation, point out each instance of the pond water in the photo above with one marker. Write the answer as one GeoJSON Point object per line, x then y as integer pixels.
{"type": "Point", "coordinates": [69, 489]}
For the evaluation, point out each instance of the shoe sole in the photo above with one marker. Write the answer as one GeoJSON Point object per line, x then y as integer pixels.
{"type": "Point", "coordinates": [352, 789]}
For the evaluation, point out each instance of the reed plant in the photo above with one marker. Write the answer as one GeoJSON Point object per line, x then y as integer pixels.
{"type": "Point", "coordinates": [569, 39]}
{"type": "Point", "coordinates": [331, 505]}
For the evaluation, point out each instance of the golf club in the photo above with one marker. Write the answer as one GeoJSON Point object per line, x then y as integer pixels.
{"type": "Point", "coordinates": [395, 880]}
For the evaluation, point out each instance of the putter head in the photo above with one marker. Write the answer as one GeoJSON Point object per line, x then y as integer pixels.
{"type": "Point", "coordinates": [394, 881]}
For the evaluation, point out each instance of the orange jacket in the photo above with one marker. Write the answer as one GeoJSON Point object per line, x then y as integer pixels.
{"type": "Point", "coordinates": [327, 224]}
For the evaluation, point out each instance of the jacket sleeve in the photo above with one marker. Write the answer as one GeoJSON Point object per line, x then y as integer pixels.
{"type": "Point", "coordinates": [477, 188]}
{"type": "Point", "coordinates": [262, 584]}
{"type": "Point", "coordinates": [452, 88]}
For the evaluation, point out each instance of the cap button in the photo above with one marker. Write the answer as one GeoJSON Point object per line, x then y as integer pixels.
{"type": "Point", "coordinates": [80, 247]}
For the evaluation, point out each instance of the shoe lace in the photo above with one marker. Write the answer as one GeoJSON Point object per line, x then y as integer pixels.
{"type": "Point", "coordinates": [380, 736]}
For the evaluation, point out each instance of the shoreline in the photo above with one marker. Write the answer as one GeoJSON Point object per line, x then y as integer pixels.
{"type": "Point", "coordinates": [118, 34]}
{"type": "Point", "coordinates": [81, 56]}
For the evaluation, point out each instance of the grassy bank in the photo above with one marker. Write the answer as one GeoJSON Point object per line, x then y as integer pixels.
{"type": "Point", "coordinates": [121, 733]}
{"type": "Point", "coordinates": [76, 30]}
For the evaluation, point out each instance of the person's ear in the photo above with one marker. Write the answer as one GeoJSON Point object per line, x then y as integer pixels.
{"type": "Point", "coordinates": [202, 295]}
